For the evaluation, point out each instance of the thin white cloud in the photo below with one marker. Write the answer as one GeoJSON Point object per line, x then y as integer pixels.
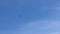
{"type": "Point", "coordinates": [55, 33]}
{"type": "Point", "coordinates": [40, 27]}
{"type": "Point", "coordinates": [37, 27]}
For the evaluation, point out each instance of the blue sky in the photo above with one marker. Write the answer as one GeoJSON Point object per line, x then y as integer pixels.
{"type": "Point", "coordinates": [29, 17]}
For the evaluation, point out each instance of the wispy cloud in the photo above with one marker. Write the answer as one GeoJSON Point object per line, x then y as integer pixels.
{"type": "Point", "coordinates": [55, 33]}
{"type": "Point", "coordinates": [44, 26]}
{"type": "Point", "coordinates": [37, 27]}
{"type": "Point", "coordinates": [40, 27]}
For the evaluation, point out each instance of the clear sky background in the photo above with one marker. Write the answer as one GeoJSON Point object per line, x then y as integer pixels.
{"type": "Point", "coordinates": [29, 17]}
